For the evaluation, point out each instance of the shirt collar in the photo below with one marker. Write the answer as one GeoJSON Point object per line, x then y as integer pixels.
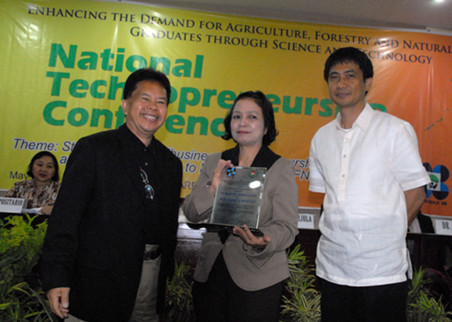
{"type": "Point", "coordinates": [264, 158]}
{"type": "Point", "coordinates": [363, 120]}
{"type": "Point", "coordinates": [132, 141]}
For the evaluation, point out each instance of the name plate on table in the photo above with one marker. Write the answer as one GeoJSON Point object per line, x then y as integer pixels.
{"type": "Point", "coordinates": [443, 226]}
{"type": "Point", "coordinates": [238, 199]}
{"type": "Point", "coordinates": [11, 205]}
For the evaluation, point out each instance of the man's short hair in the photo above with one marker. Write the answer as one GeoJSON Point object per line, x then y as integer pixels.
{"type": "Point", "coordinates": [349, 54]}
{"type": "Point", "coordinates": [146, 74]}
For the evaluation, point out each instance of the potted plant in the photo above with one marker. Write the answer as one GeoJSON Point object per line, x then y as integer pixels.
{"type": "Point", "coordinates": [21, 296]}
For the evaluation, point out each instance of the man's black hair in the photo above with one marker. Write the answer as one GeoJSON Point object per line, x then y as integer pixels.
{"type": "Point", "coordinates": [349, 54]}
{"type": "Point", "coordinates": [146, 74]}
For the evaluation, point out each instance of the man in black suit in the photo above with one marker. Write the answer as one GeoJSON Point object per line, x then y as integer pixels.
{"type": "Point", "coordinates": [112, 233]}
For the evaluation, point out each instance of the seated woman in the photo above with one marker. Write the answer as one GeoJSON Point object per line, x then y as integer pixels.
{"type": "Point", "coordinates": [41, 191]}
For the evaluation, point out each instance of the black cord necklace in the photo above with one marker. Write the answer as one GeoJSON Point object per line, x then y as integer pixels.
{"type": "Point", "coordinates": [147, 186]}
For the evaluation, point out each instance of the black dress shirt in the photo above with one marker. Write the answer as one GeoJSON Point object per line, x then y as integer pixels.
{"type": "Point", "coordinates": [145, 157]}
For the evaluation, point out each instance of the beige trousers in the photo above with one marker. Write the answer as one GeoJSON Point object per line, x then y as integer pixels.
{"type": "Point", "coordinates": [145, 309]}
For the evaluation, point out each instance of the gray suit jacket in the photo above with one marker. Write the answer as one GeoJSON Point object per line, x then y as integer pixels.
{"type": "Point", "coordinates": [251, 270]}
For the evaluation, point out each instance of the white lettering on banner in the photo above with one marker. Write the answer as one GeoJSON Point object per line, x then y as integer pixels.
{"type": "Point", "coordinates": [23, 144]}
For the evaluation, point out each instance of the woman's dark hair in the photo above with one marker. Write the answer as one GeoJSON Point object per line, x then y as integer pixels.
{"type": "Point", "coordinates": [349, 54]}
{"type": "Point", "coordinates": [39, 155]}
{"type": "Point", "coordinates": [267, 111]}
{"type": "Point", "coordinates": [146, 74]}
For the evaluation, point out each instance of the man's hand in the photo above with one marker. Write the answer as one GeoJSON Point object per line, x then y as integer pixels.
{"type": "Point", "coordinates": [59, 301]}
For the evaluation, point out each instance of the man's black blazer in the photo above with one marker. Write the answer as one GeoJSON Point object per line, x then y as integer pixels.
{"type": "Point", "coordinates": [95, 238]}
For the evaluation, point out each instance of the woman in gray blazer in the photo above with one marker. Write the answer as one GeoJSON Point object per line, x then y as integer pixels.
{"type": "Point", "coordinates": [239, 277]}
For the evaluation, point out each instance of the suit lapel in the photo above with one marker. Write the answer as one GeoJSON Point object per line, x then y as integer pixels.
{"type": "Point", "coordinates": [131, 167]}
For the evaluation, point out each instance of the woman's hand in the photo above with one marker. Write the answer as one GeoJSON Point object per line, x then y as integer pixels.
{"type": "Point", "coordinates": [46, 210]}
{"type": "Point", "coordinates": [216, 178]}
{"type": "Point", "coordinates": [249, 238]}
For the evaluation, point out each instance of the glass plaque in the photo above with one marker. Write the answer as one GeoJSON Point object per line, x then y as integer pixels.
{"type": "Point", "coordinates": [238, 198]}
